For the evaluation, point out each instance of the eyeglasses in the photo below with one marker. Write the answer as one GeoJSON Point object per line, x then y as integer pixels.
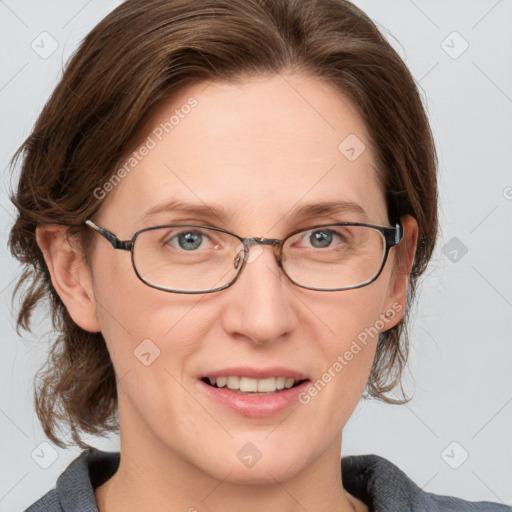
{"type": "Point", "coordinates": [189, 258]}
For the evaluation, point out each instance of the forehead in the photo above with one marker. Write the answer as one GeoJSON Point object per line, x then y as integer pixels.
{"type": "Point", "coordinates": [257, 149]}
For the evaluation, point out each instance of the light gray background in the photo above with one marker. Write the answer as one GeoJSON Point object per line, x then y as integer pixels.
{"type": "Point", "coordinates": [461, 349]}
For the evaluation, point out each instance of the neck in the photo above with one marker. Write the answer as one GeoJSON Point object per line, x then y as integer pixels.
{"type": "Point", "coordinates": [152, 476]}
{"type": "Point", "coordinates": [170, 484]}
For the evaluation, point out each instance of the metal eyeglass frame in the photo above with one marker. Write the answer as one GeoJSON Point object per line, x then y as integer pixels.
{"type": "Point", "coordinates": [392, 236]}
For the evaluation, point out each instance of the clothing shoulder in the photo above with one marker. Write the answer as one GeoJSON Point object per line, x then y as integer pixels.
{"type": "Point", "coordinates": [384, 487]}
{"type": "Point", "coordinates": [48, 503]}
{"type": "Point", "coordinates": [75, 486]}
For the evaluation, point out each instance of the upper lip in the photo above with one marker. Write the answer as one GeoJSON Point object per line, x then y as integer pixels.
{"type": "Point", "coordinates": [256, 373]}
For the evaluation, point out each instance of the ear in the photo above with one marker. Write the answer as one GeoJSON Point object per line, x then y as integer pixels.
{"type": "Point", "coordinates": [403, 261]}
{"type": "Point", "coordinates": [70, 275]}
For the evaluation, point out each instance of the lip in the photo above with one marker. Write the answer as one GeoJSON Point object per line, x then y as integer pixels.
{"type": "Point", "coordinates": [256, 373]}
{"type": "Point", "coordinates": [254, 406]}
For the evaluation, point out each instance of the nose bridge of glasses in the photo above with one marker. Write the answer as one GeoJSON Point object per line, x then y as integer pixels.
{"type": "Point", "coordinates": [249, 242]}
{"type": "Point", "coordinates": [250, 256]}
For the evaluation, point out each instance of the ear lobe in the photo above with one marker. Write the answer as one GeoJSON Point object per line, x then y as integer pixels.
{"type": "Point", "coordinates": [404, 260]}
{"type": "Point", "coordinates": [70, 275]}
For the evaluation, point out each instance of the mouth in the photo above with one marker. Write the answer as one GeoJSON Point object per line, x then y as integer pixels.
{"type": "Point", "coordinates": [254, 393]}
{"type": "Point", "coordinates": [252, 386]}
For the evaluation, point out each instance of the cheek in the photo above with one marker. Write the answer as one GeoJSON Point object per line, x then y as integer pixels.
{"type": "Point", "coordinates": [353, 315]}
{"type": "Point", "coordinates": [349, 327]}
{"type": "Point", "coordinates": [342, 338]}
{"type": "Point", "coordinates": [151, 338]}
{"type": "Point", "coordinates": [136, 319]}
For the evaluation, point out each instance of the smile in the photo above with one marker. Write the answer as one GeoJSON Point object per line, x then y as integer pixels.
{"type": "Point", "coordinates": [252, 385]}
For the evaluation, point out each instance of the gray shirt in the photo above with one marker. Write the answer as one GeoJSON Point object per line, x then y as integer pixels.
{"type": "Point", "coordinates": [371, 478]}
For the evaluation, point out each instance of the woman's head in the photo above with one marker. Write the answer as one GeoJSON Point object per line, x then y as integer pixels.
{"type": "Point", "coordinates": [257, 109]}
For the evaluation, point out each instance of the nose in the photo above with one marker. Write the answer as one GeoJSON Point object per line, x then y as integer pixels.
{"type": "Point", "coordinates": [259, 305]}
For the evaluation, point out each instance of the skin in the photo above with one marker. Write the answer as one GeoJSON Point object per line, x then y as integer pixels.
{"type": "Point", "coordinates": [259, 149]}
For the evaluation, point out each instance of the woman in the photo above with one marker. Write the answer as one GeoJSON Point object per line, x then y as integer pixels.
{"type": "Point", "coordinates": [270, 169]}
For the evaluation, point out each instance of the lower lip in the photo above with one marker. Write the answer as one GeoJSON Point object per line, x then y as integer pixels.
{"type": "Point", "coordinates": [255, 406]}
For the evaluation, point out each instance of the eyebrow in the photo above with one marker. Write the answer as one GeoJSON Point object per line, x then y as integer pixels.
{"type": "Point", "coordinates": [219, 212]}
{"type": "Point", "coordinates": [330, 208]}
{"type": "Point", "coordinates": [176, 206]}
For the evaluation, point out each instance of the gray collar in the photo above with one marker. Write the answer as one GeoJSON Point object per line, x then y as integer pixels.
{"type": "Point", "coordinates": [370, 478]}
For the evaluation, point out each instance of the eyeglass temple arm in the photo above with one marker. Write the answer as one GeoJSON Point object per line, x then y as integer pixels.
{"type": "Point", "coordinates": [124, 245]}
{"type": "Point", "coordinates": [394, 235]}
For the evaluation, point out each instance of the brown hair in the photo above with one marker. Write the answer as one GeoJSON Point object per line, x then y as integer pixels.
{"type": "Point", "coordinates": [132, 61]}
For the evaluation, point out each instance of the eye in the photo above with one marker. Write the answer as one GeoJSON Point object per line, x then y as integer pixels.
{"type": "Point", "coordinates": [189, 240]}
{"type": "Point", "coordinates": [323, 238]}
{"type": "Point", "coordinates": [320, 239]}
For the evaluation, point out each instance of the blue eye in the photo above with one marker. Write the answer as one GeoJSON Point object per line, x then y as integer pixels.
{"type": "Point", "coordinates": [321, 238]}
{"type": "Point", "coordinates": [184, 240]}
{"type": "Point", "coordinates": [189, 240]}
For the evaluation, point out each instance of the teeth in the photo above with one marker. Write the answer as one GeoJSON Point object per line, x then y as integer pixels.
{"type": "Point", "coordinates": [266, 385]}
{"type": "Point", "coordinates": [250, 385]}
{"type": "Point", "coordinates": [288, 383]}
{"type": "Point", "coordinates": [280, 382]}
{"type": "Point", "coordinates": [233, 382]}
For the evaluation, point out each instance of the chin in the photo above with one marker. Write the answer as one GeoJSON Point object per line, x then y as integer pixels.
{"type": "Point", "coordinates": [251, 466]}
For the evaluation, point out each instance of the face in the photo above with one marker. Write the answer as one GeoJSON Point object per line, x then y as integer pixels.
{"type": "Point", "coordinates": [258, 152]}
